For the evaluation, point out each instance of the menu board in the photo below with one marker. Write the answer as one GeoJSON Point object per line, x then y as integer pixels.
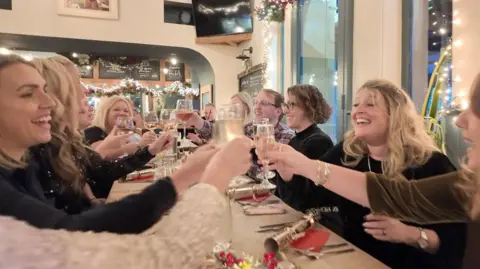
{"type": "Point", "coordinates": [147, 70]}
{"type": "Point", "coordinates": [252, 83]}
{"type": "Point", "coordinates": [85, 71]}
{"type": "Point", "coordinates": [113, 71]}
{"type": "Point", "coordinates": [6, 4]}
{"type": "Point", "coordinates": [175, 72]}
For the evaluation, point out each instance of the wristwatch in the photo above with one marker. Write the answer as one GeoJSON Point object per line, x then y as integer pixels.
{"type": "Point", "coordinates": [423, 241]}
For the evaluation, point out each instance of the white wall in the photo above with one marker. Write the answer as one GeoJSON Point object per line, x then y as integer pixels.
{"type": "Point", "coordinates": [377, 41]}
{"type": "Point", "coordinates": [140, 21]}
{"type": "Point", "coordinates": [466, 39]}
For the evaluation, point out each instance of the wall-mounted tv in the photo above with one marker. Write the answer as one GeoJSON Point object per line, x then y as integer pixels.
{"type": "Point", "coordinates": [222, 17]}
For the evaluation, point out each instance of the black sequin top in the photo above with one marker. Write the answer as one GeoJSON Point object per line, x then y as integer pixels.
{"type": "Point", "coordinates": [99, 173]}
{"type": "Point", "coordinates": [38, 196]}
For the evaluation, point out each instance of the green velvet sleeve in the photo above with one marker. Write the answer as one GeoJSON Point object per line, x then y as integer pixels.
{"type": "Point", "coordinates": [428, 201]}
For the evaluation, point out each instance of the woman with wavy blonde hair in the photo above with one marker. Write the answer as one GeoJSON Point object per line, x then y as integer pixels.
{"type": "Point", "coordinates": [109, 109]}
{"type": "Point", "coordinates": [407, 140]}
{"type": "Point", "coordinates": [388, 137]}
{"type": "Point", "coordinates": [65, 136]}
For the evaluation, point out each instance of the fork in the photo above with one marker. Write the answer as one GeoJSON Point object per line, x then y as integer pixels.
{"type": "Point", "coordinates": [316, 256]}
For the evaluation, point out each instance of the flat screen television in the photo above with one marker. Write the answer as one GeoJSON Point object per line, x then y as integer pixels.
{"type": "Point", "coordinates": [222, 17]}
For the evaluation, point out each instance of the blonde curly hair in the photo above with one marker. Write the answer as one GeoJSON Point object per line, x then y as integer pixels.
{"type": "Point", "coordinates": [408, 142]}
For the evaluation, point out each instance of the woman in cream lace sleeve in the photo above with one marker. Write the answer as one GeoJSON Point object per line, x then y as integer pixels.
{"type": "Point", "coordinates": [180, 240]}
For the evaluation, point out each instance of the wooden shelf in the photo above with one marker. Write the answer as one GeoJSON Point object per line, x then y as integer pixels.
{"type": "Point", "coordinates": [232, 40]}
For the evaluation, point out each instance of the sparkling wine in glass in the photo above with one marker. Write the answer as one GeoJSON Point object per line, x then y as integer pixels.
{"type": "Point", "coordinates": [151, 121]}
{"type": "Point", "coordinates": [125, 125]}
{"type": "Point", "coordinates": [228, 124]}
{"type": "Point", "coordinates": [184, 112]}
{"type": "Point", "coordinates": [265, 142]}
{"type": "Point", "coordinates": [168, 122]}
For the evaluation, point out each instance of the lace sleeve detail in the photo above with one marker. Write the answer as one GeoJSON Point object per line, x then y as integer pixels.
{"type": "Point", "coordinates": [180, 241]}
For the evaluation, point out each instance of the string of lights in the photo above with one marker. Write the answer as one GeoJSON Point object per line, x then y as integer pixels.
{"type": "Point", "coordinates": [440, 99]}
{"type": "Point", "coordinates": [225, 10]}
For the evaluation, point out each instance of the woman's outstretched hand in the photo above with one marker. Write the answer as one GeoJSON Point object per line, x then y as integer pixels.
{"type": "Point", "coordinates": [286, 160]}
{"type": "Point", "coordinates": [163, 142]}
{"type": "Point", "coordinates": [192, 170]}
{"type": "Point", "coordinates": [232, 160]}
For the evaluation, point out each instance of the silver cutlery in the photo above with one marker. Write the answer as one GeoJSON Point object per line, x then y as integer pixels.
{"type": "Point", "coordinates": [315, 256]}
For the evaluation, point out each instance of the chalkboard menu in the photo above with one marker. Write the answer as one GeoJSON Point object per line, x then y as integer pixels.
{"type": "Point", "coordinates": [85, 72]}
{"type": "Point", "coordinates": [147, 70]}
{"type": "Point", "coordinates": [113, 71]}
{"type": "Point", "coordinates": [6, 4]}
{"type": "Point", "coordinates": [175, 72]}
{"type": "Point", "coordinates": [252, 82]}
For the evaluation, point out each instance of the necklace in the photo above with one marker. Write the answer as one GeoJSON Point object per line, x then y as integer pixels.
{"type": "Point", "coordinates": [368, 161]}
{"type": "Point", "coordinates": [369, 166]}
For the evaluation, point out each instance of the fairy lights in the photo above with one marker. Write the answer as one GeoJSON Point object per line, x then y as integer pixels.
{"type": "Point", "coordinates": [225, 10]}
{"type": "Point", "coordinates": [440, 96]}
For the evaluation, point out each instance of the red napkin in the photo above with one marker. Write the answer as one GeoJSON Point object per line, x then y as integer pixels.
{"type": "Point", "coordinates": [258, 198]}
{"type": "Point", "coordinates": [145, 177]}
{"type": "Point", "coordinates": [313, 240]}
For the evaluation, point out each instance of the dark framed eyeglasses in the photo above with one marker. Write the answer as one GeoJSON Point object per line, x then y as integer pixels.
{"type": "Point", "coordinates": [264, 103]}
{"type": "Point", "coordinates": [288, 105]}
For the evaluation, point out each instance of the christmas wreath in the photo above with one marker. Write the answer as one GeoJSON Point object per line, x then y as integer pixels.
{"type": "Point", "coordinates": [273, 10]}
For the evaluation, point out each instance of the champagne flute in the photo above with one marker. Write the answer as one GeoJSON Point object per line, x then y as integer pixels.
{"type": "Point", "coordinates": [168, 123]}
{"type": "Point", "coordinates": [265, 142]}
{"type": "Point", "coordinates": [264, 173]}
{"type": "Point", "coordinates": [228, 124]}
{"type": "Point", "coordinates": [125, 125]}
{"type": "Point", "coordinates": [184, 112]}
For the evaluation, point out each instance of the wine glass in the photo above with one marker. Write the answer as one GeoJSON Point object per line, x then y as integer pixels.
{"type": "Point", "coordinates": [228, 124]}
{"type": "Point", "coordinates": [168, 123]}
{"type": "Point", "coordinates": [265, 141]}
{"type": "Point", "coordinates": [125, 125]}
{"type": "Point", "coordinates": [151, 121]}
{"type": "Point", "coordinates": [184, 112]}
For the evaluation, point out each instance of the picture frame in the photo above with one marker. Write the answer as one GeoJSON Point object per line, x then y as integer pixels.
{"type": "Point", "coordinates": [100, 9]}
{"type": "Point", "coordinates": [206, 95]}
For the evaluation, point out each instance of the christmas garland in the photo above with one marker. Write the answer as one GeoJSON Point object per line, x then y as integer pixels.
{"type": "Point", "coordinates": [273, 10]}
{"type": "Point", "coordinates": [131, 86]}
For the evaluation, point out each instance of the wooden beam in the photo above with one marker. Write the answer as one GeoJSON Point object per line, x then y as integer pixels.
{"type": "Point", "coordinates": [232, 40]}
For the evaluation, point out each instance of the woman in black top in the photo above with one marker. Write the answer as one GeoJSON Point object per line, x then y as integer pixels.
{"type": "Point", "coordinates": [389, 137]}
{"type": "Point", "coordinates": [25, 116]}
{"type": "Point", "coordinates": [304, 108]}
{"type": "Point", "coordinates": [105, 119]}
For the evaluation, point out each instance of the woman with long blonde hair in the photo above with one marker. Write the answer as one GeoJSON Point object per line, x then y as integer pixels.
{"type": "Point", "coordinates": [388, 137]}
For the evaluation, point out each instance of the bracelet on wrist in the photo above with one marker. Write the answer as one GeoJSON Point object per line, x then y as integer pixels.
{"type": "Point", "coordinates": [323, 173]}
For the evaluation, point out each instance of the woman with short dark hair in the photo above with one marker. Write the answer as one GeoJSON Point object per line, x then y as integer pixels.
{"type": "Point", "coordinates": [304, 108]}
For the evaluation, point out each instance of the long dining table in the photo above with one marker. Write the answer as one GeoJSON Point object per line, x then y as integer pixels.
{"type": "Point", "coordinates": [245, 237]}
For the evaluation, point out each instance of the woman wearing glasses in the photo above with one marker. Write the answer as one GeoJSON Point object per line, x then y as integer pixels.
{"type": "Point", "coordinates": [304, 108]}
